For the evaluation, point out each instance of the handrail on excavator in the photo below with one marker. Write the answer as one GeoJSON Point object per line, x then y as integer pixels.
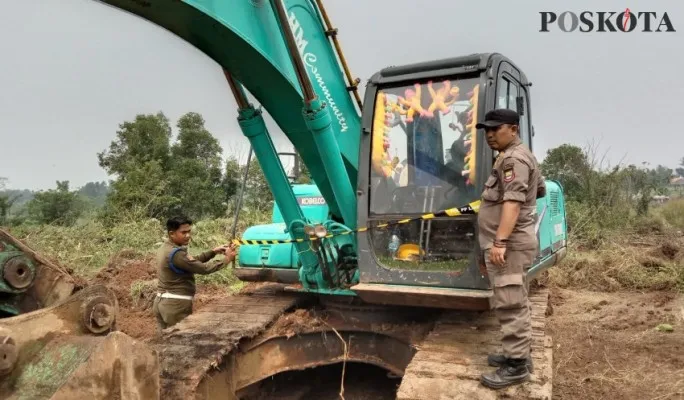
{"type": "Point", "coordinates": [332, 32]}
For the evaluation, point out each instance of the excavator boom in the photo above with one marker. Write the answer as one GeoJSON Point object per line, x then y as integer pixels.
{"type": "Point", "coordinates": [246, 39]}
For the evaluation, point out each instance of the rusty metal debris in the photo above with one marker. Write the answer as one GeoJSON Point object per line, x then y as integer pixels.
{"type": "Point", "coordinates": [29, 281]}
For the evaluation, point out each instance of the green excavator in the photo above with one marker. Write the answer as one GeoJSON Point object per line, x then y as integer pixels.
{"type": "Point", "coordinates": [392, 276]}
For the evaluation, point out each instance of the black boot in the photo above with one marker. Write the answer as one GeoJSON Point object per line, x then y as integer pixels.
{"type": "Point", "coordinates": [497, 360]}
{"type": "Point", "coordinates": [511, 373]}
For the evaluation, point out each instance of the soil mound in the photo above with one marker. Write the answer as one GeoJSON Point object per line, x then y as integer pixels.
{"type": "Point", "coordinates": [122, 274]}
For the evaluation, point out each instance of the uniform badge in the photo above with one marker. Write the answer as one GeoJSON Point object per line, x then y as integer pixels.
{"type": "Point", "coordinates": [508, 175]}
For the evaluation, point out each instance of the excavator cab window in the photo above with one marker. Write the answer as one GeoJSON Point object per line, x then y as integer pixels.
{"type": "Point", "coordinates": [423, 161]}
{"type": "Point", "coordinates": [514, 97]}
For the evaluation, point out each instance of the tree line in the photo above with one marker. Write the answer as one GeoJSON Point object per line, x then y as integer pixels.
{"type": "Point", "coordinates": [603, 199]}
{"type": "Point", "coordinates": [155, 175]}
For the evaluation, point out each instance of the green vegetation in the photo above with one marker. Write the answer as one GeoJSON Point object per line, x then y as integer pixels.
{"type": "Point", "coordinates": [154, 175]}
{"type": "Point", "coordinates": [619, 237]}
{"type": "Point", "coordinates": [603, 201]}
{"type": "Point", "coordinates": [153, 179]}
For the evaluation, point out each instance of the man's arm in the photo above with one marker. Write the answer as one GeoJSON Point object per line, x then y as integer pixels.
{"type": "Point", "coordinates": [509, 215]}
{"type": "Point", "coordinates": [206, 256]}
{"type": "Point", "coordinates": [515, 186]}
{"type": "Point", "coordinates": [194, 265]}
{"type": "Point", "coordinates": [515, 175]}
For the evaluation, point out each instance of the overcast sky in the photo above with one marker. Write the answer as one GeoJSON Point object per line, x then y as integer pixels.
{"type": "Point", "coordinates": [72, 70]}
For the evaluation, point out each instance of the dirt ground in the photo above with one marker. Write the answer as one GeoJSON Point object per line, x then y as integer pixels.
{"type": "Point", "coordinates": [135, 308]}
{"type": "Point", "coordinates": [606, 344]}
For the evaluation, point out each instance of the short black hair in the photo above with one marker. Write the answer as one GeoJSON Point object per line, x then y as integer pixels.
{"type": "Point", "coordinates": [172, 224]}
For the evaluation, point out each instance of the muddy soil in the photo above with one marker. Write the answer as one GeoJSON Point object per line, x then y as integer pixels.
{"type": "Point", "coordinates": [607, 345]}
{"type": "Point", "coordinates": [135, 318]}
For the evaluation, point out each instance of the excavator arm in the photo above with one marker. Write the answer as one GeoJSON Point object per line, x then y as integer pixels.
{"type": "Point", "coordinates": [248, 40]}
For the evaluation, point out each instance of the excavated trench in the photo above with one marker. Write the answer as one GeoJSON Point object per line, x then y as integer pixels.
{"type": "Point", "coordinates": [303, 355]}
{"type": "Point", "coordinates": [312, 364]}
{"type": "Point", "coordinates": [356, 381]}
{"type": "Point", "coordinates": [248, 340]}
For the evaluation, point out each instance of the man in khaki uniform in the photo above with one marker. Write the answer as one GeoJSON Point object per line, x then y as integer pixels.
{"type": "Point", "coordinates": [507, 235]}
{"type": "Point", "coordinates": [176, 271]}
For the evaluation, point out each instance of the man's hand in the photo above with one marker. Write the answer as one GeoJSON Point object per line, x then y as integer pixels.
{"type": "Point", "coordinates": [221, 249]}
{"type": "Point", "coordinates": [497, 256]}
{"type": "Point", "coordinates": [230, 253]}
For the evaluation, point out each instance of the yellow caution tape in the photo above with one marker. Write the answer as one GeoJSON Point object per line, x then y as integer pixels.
{"type": "Point", "coordinates": [471, 208]}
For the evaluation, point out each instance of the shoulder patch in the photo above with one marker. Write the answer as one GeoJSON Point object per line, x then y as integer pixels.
{"type": "Point", "coordinates": [522, 155]}
{"type": "Point", "coordinates": [508, 173]}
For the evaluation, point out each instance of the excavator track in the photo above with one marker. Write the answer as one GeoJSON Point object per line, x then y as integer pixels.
{"type": "Point", "coordinates": [226, 349]}
{"type": "Point", "coordinates": [193, 348]}
{"type": "Point", "coordinates": [454, 355]}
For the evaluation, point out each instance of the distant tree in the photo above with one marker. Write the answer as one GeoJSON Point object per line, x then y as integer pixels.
{"type": "Point", "coordinates": [143, 194]}
{"type": "Point", "coordinates": [59, 206]}
{"type": "Point", "coordinates": [680, 169]}
{"type": "Point", "coordinates": [5, 206]}
{"type": "Point", "coordinates": [260, 197]}
{"type": "Point", "coordinates": [195, 173]}
{"type": "Point", "coordinates": [232, 179]}
{"type": "Point", "coordinates": [304, 174]}
{"type": "Point", "coordinates": [638, 187]}
{"type": "Point", "coordinates": [95, 192]}
{"type": "Point", "coordinates": [5, 202]}
{"type": "Point", "coordinates": [660, 178]}
{"type": "Point", "coordinates": [138, 142]}
{"type": "Point", "coordinates": [257, 196]}
{"type": "Point", "coordinates": [139, 160]}
{"type": "Point", "coordinates": [154, 177]}
{"type": "Point", "coordinates": [569, 165]}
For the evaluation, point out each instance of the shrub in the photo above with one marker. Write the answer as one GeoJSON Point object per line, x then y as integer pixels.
{"type": "Point", "coordinates": [673, 213]}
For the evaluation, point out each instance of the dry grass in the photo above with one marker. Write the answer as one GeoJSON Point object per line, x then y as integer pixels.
{"type": "Point", "coordinates": [143, 293]}
{"type": "Point", "coordinates": [87, 247]}
{"type": "Point", "coordinates": [633, 262]}
{"type": "Point", "coordinates": [673, 213]}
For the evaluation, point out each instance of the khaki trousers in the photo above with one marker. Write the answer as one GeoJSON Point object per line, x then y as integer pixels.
{"type": "Point", "coordinates": [169, 312]}
{"type": "Point", "coordinates": [510, 301]}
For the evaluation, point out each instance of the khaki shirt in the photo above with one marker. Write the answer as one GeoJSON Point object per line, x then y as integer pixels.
{"type": "Point", "coordinates": [515, 177]}
{"type": "Point", "coordinates": [171, 282]}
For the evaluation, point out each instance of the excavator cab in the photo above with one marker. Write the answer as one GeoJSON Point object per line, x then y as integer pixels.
{"type": "Point", "coordinates": [421, 154]}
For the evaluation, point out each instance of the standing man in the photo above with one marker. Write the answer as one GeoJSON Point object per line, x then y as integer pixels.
{"type": "Point", "coordinates": [507, 235]}
{"type": "Point", "coordinates": [176, 271]}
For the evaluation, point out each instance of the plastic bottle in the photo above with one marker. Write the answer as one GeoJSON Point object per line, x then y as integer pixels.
{"type": "Point", "coordinates": [394, 243]}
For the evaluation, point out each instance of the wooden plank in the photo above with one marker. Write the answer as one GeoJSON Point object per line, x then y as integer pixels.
{"type": "Point", "coordinates": [451, 359]}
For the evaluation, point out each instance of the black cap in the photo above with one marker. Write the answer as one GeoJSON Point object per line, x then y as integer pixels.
{"type": "Point", "coordinates": [499, 117]}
